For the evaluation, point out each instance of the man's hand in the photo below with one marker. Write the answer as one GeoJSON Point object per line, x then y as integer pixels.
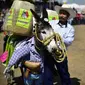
{"type": "Point", "coordinates": [6, 71]}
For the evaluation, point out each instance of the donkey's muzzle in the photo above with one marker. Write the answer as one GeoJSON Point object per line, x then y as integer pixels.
{"type": "Point", "coordinates": [57, 52]}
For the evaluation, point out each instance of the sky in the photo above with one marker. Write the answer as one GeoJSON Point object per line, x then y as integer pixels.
{"type": "Point", "coordinates": [80, 2]}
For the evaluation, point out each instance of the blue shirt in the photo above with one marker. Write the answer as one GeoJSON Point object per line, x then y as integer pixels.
{"type": "Point", "coordinates": [26, 49]}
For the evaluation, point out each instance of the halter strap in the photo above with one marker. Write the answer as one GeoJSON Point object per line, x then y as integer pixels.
{"type": "Point", "coordinates": [47, 40]}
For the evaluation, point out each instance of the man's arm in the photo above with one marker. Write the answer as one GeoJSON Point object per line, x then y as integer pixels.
{"type": "Point", "coordinates": [18, 54]}
{"type": "Point", "coordinates": [33, 66]}
{"type": "Point", "coordinates": [69, 37]}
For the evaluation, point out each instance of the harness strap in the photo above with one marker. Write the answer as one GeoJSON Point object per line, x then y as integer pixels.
{"type": "Point", "coordinates": [63, 52]}
{"type": "Point", "coordinates": [47, 40]}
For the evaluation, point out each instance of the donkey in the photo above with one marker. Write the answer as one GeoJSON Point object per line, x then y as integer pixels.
{"type": "Point", "coordinates": [46, 38]}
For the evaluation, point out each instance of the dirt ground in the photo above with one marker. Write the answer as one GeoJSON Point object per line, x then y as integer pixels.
{"type": "Point", "coordinates": [76, 58]}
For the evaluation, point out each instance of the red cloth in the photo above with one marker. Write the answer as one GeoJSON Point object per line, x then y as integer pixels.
{"type": "Point", "coordinates": [78, 16]}
{"type": "Point", "coordinates": [4, 56]}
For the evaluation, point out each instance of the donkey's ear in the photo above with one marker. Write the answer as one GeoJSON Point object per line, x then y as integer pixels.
{"type": "Point", "coordinates": [44, 13]}
{"type": "Point", "coordinates": [35, 16]}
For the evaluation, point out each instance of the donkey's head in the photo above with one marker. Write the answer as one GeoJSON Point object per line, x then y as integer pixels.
{"type": "Point", "coordinates": [44, 33]}
{"type": "Point", "coordinates": [45, 37]}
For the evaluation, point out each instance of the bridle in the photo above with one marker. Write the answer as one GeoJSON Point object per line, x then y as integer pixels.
{"type": "Point", "coordinates": [61, 54]}
{"type": "Point", "coordinates": [47, 40]}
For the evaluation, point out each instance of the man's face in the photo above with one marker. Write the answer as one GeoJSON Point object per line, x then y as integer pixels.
{"type": "Point", "coordinates": [63, 16]}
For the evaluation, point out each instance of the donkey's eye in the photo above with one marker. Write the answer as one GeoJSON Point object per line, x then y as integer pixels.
{"type": "Point", "coordinates": [43, 32]}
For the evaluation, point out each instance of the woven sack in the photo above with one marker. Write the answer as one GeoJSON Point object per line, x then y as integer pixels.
{"type": "Point", "coordinates": [52, 15]}
{"type": "Point", "coordinates": [19, 19]}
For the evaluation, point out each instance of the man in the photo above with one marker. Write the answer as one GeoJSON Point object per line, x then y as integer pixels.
{"type": "Point", "coordinates": [62, 26]}
{"type": "Point", "coordinates": [33, 61]}
{"type": "Point", "coordinates": [66, 32]}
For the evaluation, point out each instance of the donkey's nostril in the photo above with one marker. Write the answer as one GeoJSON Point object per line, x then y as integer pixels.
{"type": "Point", "coordinates": [54, 50]}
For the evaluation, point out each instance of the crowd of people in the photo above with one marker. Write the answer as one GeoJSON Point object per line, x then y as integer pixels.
{"type": "Point", "coordinates": [78, 19]}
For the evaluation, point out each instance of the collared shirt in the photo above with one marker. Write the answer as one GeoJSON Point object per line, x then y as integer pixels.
{"type": "Point", "coordinates": [66, 31]}
{"type": "Point", "coordinates": [26, 49]}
